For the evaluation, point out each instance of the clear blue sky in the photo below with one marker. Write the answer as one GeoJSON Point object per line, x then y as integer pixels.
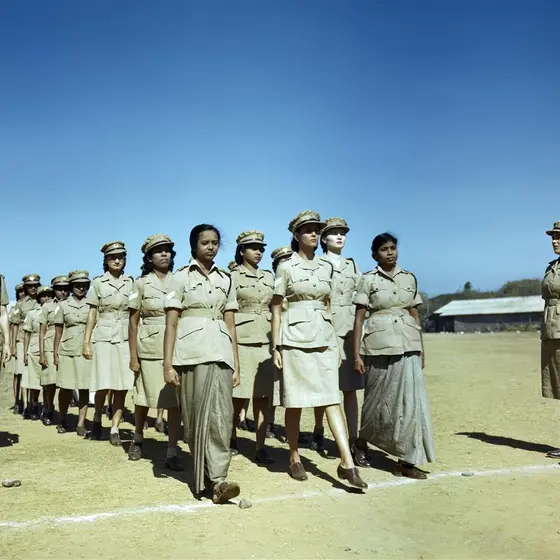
{"type": "Point", "coordinates": [435, 120]}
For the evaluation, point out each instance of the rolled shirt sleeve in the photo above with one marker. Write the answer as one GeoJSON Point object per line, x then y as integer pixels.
{"type": "Point", "coordinates": [361, 297]}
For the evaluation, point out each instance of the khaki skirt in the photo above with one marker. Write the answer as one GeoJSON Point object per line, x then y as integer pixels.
{"type": "Point", "coordinates": [110, 367]}
{"type": "Point", "coordinates": [48, 374]}
{"type": "Point", "coordinates": [550, 368]}
{"type": "Point", "coordinates": [19, 364]}
{"type": "Point", "coordinates": [150, 390]}
{"type": "Point", "coordinates": [31, 378]}
{"type": "Point", "coordinates": [309, 377]}
{"type": "Point", "coordinates": [74, 372]}
{"type": "Point", "coordinates": [348, 378]}
{"type": "Point", "coordinates": [256, 372]}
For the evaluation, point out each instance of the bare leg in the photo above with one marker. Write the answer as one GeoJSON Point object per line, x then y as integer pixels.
{"type": "Point", "coordinates": [319, 413]}
{"type": "Point", "coordinates": [159, 414]}
{"type": "Point", "coordinates": [100, 397]}
{"type": "Point", "coordinates": [140, 415]}
{"type": "Point", "coordinates": [173, 426]}
{"type": "Point", "coordinates": [261, 410]}
{"type": "Point", "coordinates": [83, 406]}
{"type": "Point", "coordinates": [292, 420]}
{"type": "Point", "coordinates": [238, 408]}
{"type": "Point", "coordinates": [64, 398]}
{"type": "Point", "coordinates": [351, 412]}
{"type": "Point", "coordinates": [48, 395]}
{"type": "Point", "coordinates": [335, 418]}
{"type": "Point", "coordinates": [118, 407]}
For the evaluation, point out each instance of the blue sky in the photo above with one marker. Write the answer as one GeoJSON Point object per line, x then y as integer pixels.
{"type": "Point", "coordinates": [435, 120]}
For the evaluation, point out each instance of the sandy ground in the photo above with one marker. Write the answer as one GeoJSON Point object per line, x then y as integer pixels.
{"type": "Point", "coordinates": [488, 418]}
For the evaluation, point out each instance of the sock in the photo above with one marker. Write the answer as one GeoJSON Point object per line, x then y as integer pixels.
{"type": "Point", "coordinates": [114, 430]}
{"type": "Point", "coordinates": [171, 452]}
{"type": "Point", "coordinates": [138, 438]}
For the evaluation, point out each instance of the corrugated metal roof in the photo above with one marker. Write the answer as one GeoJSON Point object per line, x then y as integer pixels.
{"type": "Point", "coordinates": [491, 306]}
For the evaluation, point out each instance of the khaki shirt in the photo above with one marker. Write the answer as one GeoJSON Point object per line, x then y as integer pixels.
{"type": "Point", "coordinates": [21, 309]}
{"type": "Point", "coordinates": [390, 329]}
{"type": "Point", "coordinates": [202, 335]}
{"type": "Point", "coordinates": [110, 296]}
{"type": "Point", "coordinates": [72, 314]}
{"type": "Point", "coordinates": [254, 291]}
{"type": "Point", "coordinates": [550, 328]}
{"type": "Point", "coordinates": [307, 287]}
{"type": "Point", "coordinates": [148, 295]}
{"type": "Point", "coordinates": [46, 317]}
{"type": "Point", "coordinates": [31, 325]}
{"type": "Point", "coordinates": [345, 281]}
{"type": "Point", "coordinates": [4, 299]}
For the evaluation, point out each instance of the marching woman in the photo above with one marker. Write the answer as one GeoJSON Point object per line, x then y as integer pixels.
{"type": "Point", "coordinates": [146, 303]}
{"type": "Point", "coordinates": [200, 355]}
{"type": "Point", "coordinates": [73, 370]}
{"type": "Point", "coordinates": [305, 346]}
{"type": "Point", "coordinates": [31, 349]}
{"type": "Point", "coordinates": [550, 331]}
{"type": "Point", "coordinates": [18, 399]}
{"type": "Point", "coordinates": [254, 289]}
{"type": "Point", "coordinates": [106, 338]}
{"type": "Point", "coordinates": [345, 280]}
{"type": "Point", "coordinates": [46, 345]}
{"type": "Point", "coordinates": [395, 413]}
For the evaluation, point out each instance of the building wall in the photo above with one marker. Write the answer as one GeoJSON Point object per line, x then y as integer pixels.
{"type": "Point", "coordinates": [488, 323]}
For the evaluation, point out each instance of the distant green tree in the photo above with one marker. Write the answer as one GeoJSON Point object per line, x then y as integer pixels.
{"type": "Point", "coordinates": [520, 288]}
{"type": "Point", "coordinates": [467, 287]}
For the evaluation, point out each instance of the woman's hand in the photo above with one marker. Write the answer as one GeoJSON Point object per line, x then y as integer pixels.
{"type": "Point", "coordinates": [134, 365]}
{"type": "Point", "coordinates": [277, 358]}
{"type": "Point", "coordinates": [236, 379]}
{"type": "Point", "coordinates": [25, 360]}
{"type": "Point", "coordinates": [171, 377]}
{"type": "Point", "coordinates": [359, 366]}
{"type": "Point", "coordinates": [423, 359]}
{"type": "Point", "coordinates": [86, 351]}
{"type": "Point", "coordinates": [43, 361]}
{"type": "Point", "coordinates": [56, 359]}
{"type": "Point", "coordinates": [6, 353]}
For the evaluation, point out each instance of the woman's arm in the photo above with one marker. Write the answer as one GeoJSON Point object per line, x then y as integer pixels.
{"type": "Point", "coordinates": [57, 337]}
{"type": "Point", "coordinates": [357, 338]}
{"type": "Point", "coordinates": [91, 320]}
{"type": "Point", "coordinates": [42, 333]}
{"type": "Point", "coordinates": [229, 320]}
{"type": "Point", "coordinates": [26, 339]}
{"type": "Point", "coordinates": [171, 319]}
{"type": "Point", "coordinates": [416, 315]}
{"type": "Point", "coordinates": [276, 311]}
{"type": "Point", "coordinates": [133, 322]}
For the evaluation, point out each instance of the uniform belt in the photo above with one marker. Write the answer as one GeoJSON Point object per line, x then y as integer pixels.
{"type": "Point", "coordinates": [202, 312]}
{"type": "Point", "coordinates": [257, 308]}
{"type": "Point", "coordinates": [395, 311]}
{"type": "Point", "coordinates": [306, 304]}
{"type": "Point", "coordinates": [154, 320]}
{"type": "Point", "coordinates": [110, 316]}
{"type": "Point", "coordinates": [342, 302]}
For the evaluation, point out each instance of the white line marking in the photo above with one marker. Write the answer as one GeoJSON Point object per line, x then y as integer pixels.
{"type": "Point", "coordinates": [189, 508]}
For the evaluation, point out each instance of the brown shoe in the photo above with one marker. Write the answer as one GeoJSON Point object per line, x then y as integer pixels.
{"type": "Point", "coordinates": [81, 431]}
{"type": "Point", "coordinates": [297, 472]}
{"type": "Point", "coordinates": [359, 454]}
{"type": "Point", "coordinates": [352, 476]}
{"type": "Point", "coordinates": [159, 425]}
{"type": "Point", "coordinates": [222, 492]}
{"type": "Point", "coordinates": [174, 464]}
{"type": "Point", "coordinates": [409, 471]}
{"type": "Point", "coordinates": [134, 451]}
{"type": "Point", "coordinates": [115, 440]}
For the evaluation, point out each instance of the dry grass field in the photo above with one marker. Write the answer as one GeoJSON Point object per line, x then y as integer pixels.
{"type": "Point", "coordinates": [84, 499]}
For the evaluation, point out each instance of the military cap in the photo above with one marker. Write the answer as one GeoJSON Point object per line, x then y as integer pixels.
{"type": "Point", "coordinates": [19, 287]}
{"type": "Point", "coordinates": [251, 236]}
{"type": "Point", "coordinates": [335, 223]}
{"type": "Point", "coordinates": [44, 289]}
{"type": "Point", "coordinates": [306, 217]}
{"type": "Point", "coordinates": [555, 228]}
{"type": "Point", "coordinates": [31, 279]}
{"type": "Point", "coordinates": [61, 280]}
{"type": "Point", "coordinates": [155, 240]}
{"type": "Point", "coordinates": [113, 248]}
{"type": "Point", "coordinates": [79, 276]}
{"type": "Point", "coordinates": [231, 265]}
{"type": "Point", "coordinates": [280, 253]}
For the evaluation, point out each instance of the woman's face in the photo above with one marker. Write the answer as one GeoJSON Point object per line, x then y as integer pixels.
{"type": "Point", "coordinates": [207, 245]}
{"type": "Point", "coordinates": [60, 292]}
{"type": "Point", "coordinates": [308, 236]}
{"type": "Point", "coordinates": [335, 240]}
{"type": "Point", "coordinates": [160, 257]}
{"type": "Point", "coordinates": [79, 289]}
{"type": "Point", "coordinates": [115, 263]}
{"type": "Point", "coordinates": [20, 294]}
{"type": "Point", "coordinates": [556, 243]}
{"type": "Point", "coordinates": [43, 298]}
{"type": "Point", "coordinates": [252, 254]}
{"type": "Point", "coordinates": [31, 290]}
{"type": "Point", "coordinates": [387, 255]}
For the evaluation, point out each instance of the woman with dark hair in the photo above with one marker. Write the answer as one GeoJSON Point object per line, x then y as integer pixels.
{"type": "Point", "coordinates": [107, 328]}
{"type": "Point", "coordinates": [145, 339]}
{"type": "Point", "coordinates": [12, 367]}
{"type": "Point", "coordinates": [200, 355]}
{"type": "Point", "coordinates": [254, 288]}
{"type": "Point", "coordinates": [60, 286]}
{"type": "Point", "coordinates": [31, 349]}
{"type": "Point", "coordinates": [345, 279]}
{"type": "Point", "coordinates": [305, 346]}
{"type": "Point", "coordinates": [73, 370]}
{"type": "Point", "coordinates": [395, 413]}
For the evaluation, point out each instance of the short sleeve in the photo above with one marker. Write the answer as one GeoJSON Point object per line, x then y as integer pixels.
{"type": "Point", "coordinates": [174, 297]}
{"type": "Point", "coordinates": [59, 314]}
{"type": "Point", "coordinates": [361, 297]}
{"type": "Point", "coordinates": [17, 315]}
{"type": "Point", "coordinates": [92, 297]}
{"type": "Point", "coordinates": [28, 323]}
{"type": "Point", "coordinates": [417, 297]}
{"type": "Point", "coordinates": [231, 301]}
{"type": "Point", "coordinates": [280, 281]}
{"type": "Point", "coordinates": [4, 299]}
{"type": "Point", "coordinates": [136, 294]}
{"type": "Point", "coordinates": [42, 316]}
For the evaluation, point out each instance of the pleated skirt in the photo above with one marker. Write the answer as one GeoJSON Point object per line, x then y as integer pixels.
{"type": "Point", "coordinates": [550, 368]}
{"type": "Point", "coordinates": [31, 378]}
{"type": "Point", "coordinates": [110, 367]}
{"type": "Point", "coordinates": [150, 389]}
{"type": "Point", "coordinates": [74, 372]}
{"type": "Point", "coordinates": [396, 413]}
{"type": "Point", "coordinates": [19, 364]}
{"type": "Point", "coordinates": [48, 374]}
{"type": "Point", "coordinates": [256, 372]}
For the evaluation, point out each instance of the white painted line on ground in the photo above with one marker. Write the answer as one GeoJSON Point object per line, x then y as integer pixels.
{"type": "Point", "coordinates": [189, 508]}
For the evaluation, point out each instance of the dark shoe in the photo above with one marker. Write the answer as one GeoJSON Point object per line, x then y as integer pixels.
{"type": "Point", "coordinates": [115, 440]}
{"type": "Point", "coordinates": [554, 454]}
{"type": "Point", "coordinates": [174, 464]}
{"type": "Point", "coordinates": [159, 425]}
{"type": "Point", "coordinates": [47, 418]}
{"type": "Point", "coordinates": [250, 425]}
{"type": "Point", "coordinates": [61, 428]}
{"type": "Point", "coordinates": [242, 425]}
{"type": "Point", "coordinates": [27, 413]}
{"type": "Point", "coordinates": [134, 451]}
{"type": "Point", "coordinates": [19, 408]}
{"type": "Point", "coordinates": [359, 454]}
{"type": "Point", "coordinates": [409, 471]}
{"type": "Point", "coordinates": [318, 441]}
{"type": "Point", "coordinates": [95, 433]}
{"type": "Point", "coordinates": [81, 431]}
{"type": "Point", "coordinates": [233, 449]}
{"type": "Point", "coordinates": [225, 491]}
{"type": "Point", "coordinates": [35, 414]}
{"type": "Point", "coordinates": [270, 431]}
{"type": "Point", "coordinates": [297, 472]}
{"type": "Point", "coordinates": [262, 457]}
{"type": "Point", "coordinates": [352, 476]}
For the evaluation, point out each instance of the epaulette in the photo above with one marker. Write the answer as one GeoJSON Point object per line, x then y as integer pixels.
{"type": "Point", "coordinates": [269, 271]}
{"type": "Point", "coordinates": [353, 264]}
{"type": "Point", "coordinates": [330, 264]}
{"type": "Point", "coordinates": [183, 268]}
{"type": "Point", "coordinates": [226, 272]}
{"type": "Point", "coordinates": [96, 277]}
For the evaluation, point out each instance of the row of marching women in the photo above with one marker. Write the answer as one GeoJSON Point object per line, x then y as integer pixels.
{"type": "Point", "coordinates": [200, 342]}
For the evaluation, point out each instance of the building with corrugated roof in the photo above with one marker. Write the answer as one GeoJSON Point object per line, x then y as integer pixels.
{"type": "Point", "coordinates": [489, 315]}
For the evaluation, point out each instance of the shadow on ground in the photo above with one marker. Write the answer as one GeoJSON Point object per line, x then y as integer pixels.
{"type": "Point", "coordinates": [508, 442]}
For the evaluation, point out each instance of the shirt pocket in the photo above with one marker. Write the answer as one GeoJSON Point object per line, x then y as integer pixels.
{"type": "Point", "coordinates": [301, 328]}
{"type": "Point", "coordinates": [102, 333]}
{"type": "Point", "coordinates": [150, 341]}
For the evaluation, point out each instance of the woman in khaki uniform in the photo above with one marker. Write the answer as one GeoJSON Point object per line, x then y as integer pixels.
{"type": "Point", "coordinates": [395, 413]}
{"type": "Point", "coordinates": [550, 331]}
{"type": "Point", "coordinates": [31, 349]}
{"type": "Point", "coordinates": [30, 284]}
{"type": "Point", "coordinates": [305, 346]}
{"type": "Point", "coordinates": [60, 286]}
{"type": "Point", "coordinates": [106, 338]}
{"type": "Point", "coordinates": [4, 324]}
{"type": "Point", "coordinates": [345, 280]}
{"type": "Point", "coordinates": [254, 288]}
{"type": "Point", "coordinates": [18, 399]}
{"type": "Point", "coordinates": [200, 354]}
{"type": "Point", "coordinates": [145, 340]}
{"type": "Point", "coordinates": [73, 371]}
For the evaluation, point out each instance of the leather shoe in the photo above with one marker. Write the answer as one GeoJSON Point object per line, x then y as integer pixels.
{"type": "Point", "coordinates": [352, 476]}
{"type": "Point", "coordinates": [297, 472]}
{"type": "Point", "coordinates": [554, 454]}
